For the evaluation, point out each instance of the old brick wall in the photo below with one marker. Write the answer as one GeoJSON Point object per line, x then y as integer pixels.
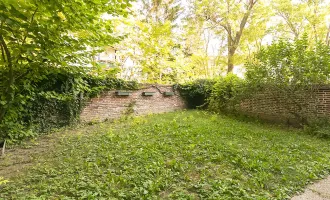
{"type": "Point", "coordinates": [265, 106]}
{"type": "Point", "coordinates": [323, 106]}
{"type": "Point", "coordinates": [110, 106]}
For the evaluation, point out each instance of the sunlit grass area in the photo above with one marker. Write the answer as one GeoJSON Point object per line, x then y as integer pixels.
{"type": "Point", "coordinates": [180, 155]}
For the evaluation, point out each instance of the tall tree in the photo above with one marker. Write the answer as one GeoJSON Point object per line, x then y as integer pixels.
{"type": "Point", "coordinates": [292, 15]}
{"type": "Point", "coordinates": [160, 11]}
{"type": "Point", "coordinates": [232, 16]}
{"type": "Point", "coordinates": [199, 48]}
{"type": "Point", "coordinates": [39, 34]}
{"type": "Point", "coordinates": [301, 16]}
{"type": "Point", "coordinates": [152, 42]}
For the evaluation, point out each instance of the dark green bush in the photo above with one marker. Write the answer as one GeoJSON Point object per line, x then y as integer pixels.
{"type": "Point", "coordinates": [219, 95]}
{"type": "Point", "coordinates": [290, 71]}
{"type": "Point", "coordinates": [226, 93]}
{"type": "Point", "coordinates": [319, 127]}
{"type": "Point", "coordinates": [52, 101]}
{"type": "Point", "coordinates": [98, 84]}
{"type": "Point", "coordinates": [197, 92]}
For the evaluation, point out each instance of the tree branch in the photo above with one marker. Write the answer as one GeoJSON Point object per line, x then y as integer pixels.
{"type": "Point", "coordinates": [244, 21]}
{"type": "Point", "coordinates": [6, 50]}
{"type": "Point", "coordinates": [289, 23]}
{"type": "Point", "coordinates": [32, 18]}
{"type": "Point", "coordinates": [3, 53]}
{"type": "Point", "coordinates": [9, 89]}
{"type": "Point", "coordinates": [327, 40]}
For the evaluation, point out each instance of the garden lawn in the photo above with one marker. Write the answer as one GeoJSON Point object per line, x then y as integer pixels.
{"type": "Point", "coordinates": [180, 155]}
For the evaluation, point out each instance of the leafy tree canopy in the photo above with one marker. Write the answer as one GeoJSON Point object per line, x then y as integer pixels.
{"type": "Point", "coordinates": [38, 36]}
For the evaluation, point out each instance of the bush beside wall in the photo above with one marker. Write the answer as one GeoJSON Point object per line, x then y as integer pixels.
{"type": "Point", "coordinates": [196, 93]}
{"type": "Point", "coordinates": [53, 101]}
{"type": "Point", "coordinates": [232, 95]}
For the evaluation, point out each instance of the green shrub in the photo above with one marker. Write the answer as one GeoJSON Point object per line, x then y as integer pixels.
{"type": "Point", "coordinates": [219, 95]}
{"type": "Point", "coordinates": [290, 71]}
{"type": "Point", "coordinates": [197, 92]}
{"type": "Point", "coordinates": [98, 84]}
{"type": "Point", "coordinates": [42, 45]}
{"type": "Point", "coordinates": [319, 127]}
{"type": "Point", "coordinates": [52, 101]}
{"type": "Point", "coordinates": [226, 93]}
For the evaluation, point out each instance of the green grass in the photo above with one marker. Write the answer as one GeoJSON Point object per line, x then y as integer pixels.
{"type": "Point", "coordinates": [181, 155]}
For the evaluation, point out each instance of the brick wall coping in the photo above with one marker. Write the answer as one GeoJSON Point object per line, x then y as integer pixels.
{"type": "Point", "coordinates": [155, 85]}
{"type": "Point", "coordinates": [325, 87]}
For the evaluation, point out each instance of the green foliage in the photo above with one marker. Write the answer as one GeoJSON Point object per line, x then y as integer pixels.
{"type": "Point", "coordinates": [288, 63]}
{"type": "Point", "coordinates": [155, 51]}
{"type": "Point", "coordinates": [211, 35]}
{"type": "Point", "coordinates": [3, 181]}
{"type": "Point", "coordinates": [99, 84]}
{"type": "Point", "coordinates": [187, 155]}
{"type": "Point", "coordinates": [130, 109]}
{"type": "Point", "coordinates": [54, 101]}
{"type": "Point", "coordinates": [228, 21]}
{"type": "Point", "coordinates": [37, 39]}
{"type": "Point", "coordinates": [226, 93]}
{"type": "Point", "coordinates": [319, 127]}
{"type": "Point", "coordinates": [197, 92]}
{"type": "Point", "coordinates": [299, 17]}
{"type": "Point", "coordinates": [153, 42]}
{"type": "Point", "coordinates": [291, 72]}
{"type": "Point", "coordinates": [220, 95]}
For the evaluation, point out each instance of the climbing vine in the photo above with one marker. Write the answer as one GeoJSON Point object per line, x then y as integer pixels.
{"type": "Point", "coordinates": [54, 101]}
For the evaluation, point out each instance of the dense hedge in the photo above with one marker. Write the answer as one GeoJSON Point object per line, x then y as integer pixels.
{"type": "Point", "coordinates": [225, 93]}
{"type": "Point", "coordinates": [53, 101]}
{"type": "Point", "coordinates": [219, 95]}
{"type": "Point", "coordinates": [196, 93]}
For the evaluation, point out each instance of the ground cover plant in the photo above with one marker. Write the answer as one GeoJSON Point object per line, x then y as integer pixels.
{"type": "Point", "coordinates": [179, 155]}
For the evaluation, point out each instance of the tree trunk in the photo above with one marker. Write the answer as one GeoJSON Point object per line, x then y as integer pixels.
{"type": "Point", "coordinates": [231, 53]}
{"type": "Point", "coordinates": [230, 58]}
{"type": "Point", "coordinates": [230, 63]}
{"type": "Point", "coordinates": [234, 39]}
{"type": "Point", "coordinates": [327, 39]}
{"type": "Point", "coordinates": [9, 92]}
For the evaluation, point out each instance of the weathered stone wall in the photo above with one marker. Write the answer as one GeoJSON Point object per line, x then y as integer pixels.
{"type": "Point", "coordinates": [111, 106]}
{"type": "Point", "coordinates": [266, 106]}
